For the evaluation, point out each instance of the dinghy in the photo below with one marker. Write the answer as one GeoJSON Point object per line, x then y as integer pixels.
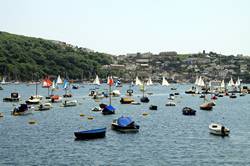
{"type": "Point", "coordinates": [90, 134]}
{"type": "Point", "coordinates": [69, 103]}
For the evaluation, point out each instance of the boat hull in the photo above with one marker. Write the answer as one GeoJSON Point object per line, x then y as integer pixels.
{"type": "Point", "coordinates": [90, 134]}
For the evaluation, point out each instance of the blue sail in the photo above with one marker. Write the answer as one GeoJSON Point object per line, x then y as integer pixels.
{"type": "Point", "coordinates": [65, 84]}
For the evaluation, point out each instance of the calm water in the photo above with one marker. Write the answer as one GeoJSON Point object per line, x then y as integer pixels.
{"type": "Point", "coordinates": [166, 136]}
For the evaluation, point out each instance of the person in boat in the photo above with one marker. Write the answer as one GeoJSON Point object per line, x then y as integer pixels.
{"type": "Point", "coordinates": [223, 130]}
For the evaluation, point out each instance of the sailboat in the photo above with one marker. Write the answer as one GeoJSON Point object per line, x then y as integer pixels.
{"type": "Point", "coordinates": [35, 99]}
{"type": "Point", "coordinates": [54, 98]}
{"type": "Point", "coordinates": [66, 87]}
{"type": "Point", "coordinates": [144, 98]}
{"type": "Point", "coordinates": [3, 82]}
{"type": "Point", "coordinates": [238, 82]}
{"type": "Point", "coordinates": [149, 82]}
{"type": "Point", "coordinates": [196, 80]}
{"type": "Point", "coordinates": [137, 81]}
{"type": "Point", "coordinates": [231, 82]}
{"type": "Point", "coordinates": [47, 84]}
{"type": "Point", "coordinates": [96, 81]}
{"type": "Point", "coordinates": [59, 80]}
{"type": "Point", "coordinates": [164, 82]}
{"type": "Point", "coordinates": [107, 110]}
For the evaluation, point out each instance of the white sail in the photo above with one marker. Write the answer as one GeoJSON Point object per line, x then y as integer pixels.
{"type": "Point", "coordinates": [164, 82]}
{"type": "Point", "coordinates": [238, 82]}
{"type": "Point", "coordinates": [201, 82]}
{"type": "Point", "coordinates": [149, 82]}
{"type": "Point", "coordinates": [3, 81]}
{"type": "Point", "coordinates": [231, 82]}
{"type": "Point", "coordinates": [137, 81]}
{"type": "Point", "coordinates": [96, 81]}
{"type": "Point", "coordinates": [59, 80]}
{"type": "Point", "coordinates": [196, 80]}
{"type": "Point", "coordinates": [222, 85]}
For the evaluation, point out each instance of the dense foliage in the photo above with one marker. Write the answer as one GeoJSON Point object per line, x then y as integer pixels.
{"type": "Point", "coordinates": [22, 58]}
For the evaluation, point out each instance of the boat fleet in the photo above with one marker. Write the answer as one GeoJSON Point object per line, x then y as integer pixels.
{"type": "Point", "coordinates": [123, 123]}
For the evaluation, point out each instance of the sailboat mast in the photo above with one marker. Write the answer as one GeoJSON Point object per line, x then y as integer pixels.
{"type": "Point", "coordinates": [109, 94]}
{"type": "Point", "coordinates": [143, 89]}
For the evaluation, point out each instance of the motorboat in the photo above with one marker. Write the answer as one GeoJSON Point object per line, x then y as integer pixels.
{"type": "Point", "coordinates": [233, 96]}
{"type": "Point", "coordinates": [75, 87]}
{"type": "Point", "coordinates": [171, 104]}
{"type": "Point", "coordinates": [22, 109]}
{"type": "Point", "coordinates": [126, 100]}
{"type": "Point", "coordinates": [242, 94]}
{"type": "Point", "coordinates": [218, 129]}
{"type": "Point", "coordinates": [206, 106]}
{"type": "Point", "coordinates": [125, 124]}
{"type": "Point", "coordinates": [116, 93]}
{"type": "Point", "coordinates": [14, 97]}
{"type": "Point", "coordinates": [44, 107]}
{"type": "Point", "coordinates": [67, 95]}
{"type": "Point", "coordinates": [144, 99]}
{"type": "Point", "coordinates": [135, 103]}
{"type": "Point", "coordinates": [188, 111]}
{"type": "Point", "coordinates": [153, 107]}
{"type": "Point", "coordinates": [69, 103]}
{"type": "Point", "coordinates": [171, 97]}
{"type": "Point", "coordinates": [90, 134]}
{"type": "Point", "coordinates": [96, 109]}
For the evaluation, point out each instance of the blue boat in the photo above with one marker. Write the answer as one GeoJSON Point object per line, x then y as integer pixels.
{"type": "Point", "coordinates": [90, 134]}
{"type": "Point", "coordinates": [108, 110]}
{"type": "Point", "coordinates": [125, 124]}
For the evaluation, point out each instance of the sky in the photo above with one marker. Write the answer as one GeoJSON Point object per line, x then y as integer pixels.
{"type": "Point", "coordinates": [130, 26]}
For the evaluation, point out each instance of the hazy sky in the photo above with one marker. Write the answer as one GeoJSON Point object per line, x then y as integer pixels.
{"type": "Point", "coordinates": [127, 26]}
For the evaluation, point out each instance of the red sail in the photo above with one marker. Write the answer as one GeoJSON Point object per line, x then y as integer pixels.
{"type": "Point", "coordinates": [47, 83]}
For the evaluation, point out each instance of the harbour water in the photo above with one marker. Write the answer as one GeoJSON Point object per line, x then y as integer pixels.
{"type": "Point", "coordinates": [166, 137]}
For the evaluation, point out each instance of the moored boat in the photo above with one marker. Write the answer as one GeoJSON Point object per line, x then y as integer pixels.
{"type": "Point", "coordinates": [171, 104]}
{"type": "Point", "coordinates": [22, 109]}
{"type": "Point", "coordinates": [124, 124]}
{"type": "Point", "coordinates": [188, 111]}
{"type": "Point", "coordinates": [14, 97]}
{"type": "Point", "coordinates": [153, 107]}
{"type": "Point", "coordinates": [108, 110]}
{"type": "Point", "coordinates": [69, 103]}
{"type": "Point", "coordinates": [218, 129]}
{"type": "Point", "coordinates": [206, 106]}
{"type": "Point", "coordinates": [90, 134]}
{"type": "Point", "coordinates": [126, 100]}
{"type": "Point", "coordinates": [44, 107]}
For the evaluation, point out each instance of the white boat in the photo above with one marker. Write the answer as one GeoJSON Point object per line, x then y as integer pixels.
{"type": "Point", "coordinates": [222, 85]}
{"type": "Point", "coordinates": [218, 129]}
{"type": "Point", "coordinates": [116, 93]}
{"type": "Point", "coordinates": [164, 82]}
{"type": "Point", "coordinates": [44, 107]}
{"type": "Point", "coordinates": [96, 81]}
{"type": "Point", "coordinates": [171, 104]}
{"type": "Point", "coordinates": [69, 103]}
{"type": "Point", "coordinates": [33, 101]}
